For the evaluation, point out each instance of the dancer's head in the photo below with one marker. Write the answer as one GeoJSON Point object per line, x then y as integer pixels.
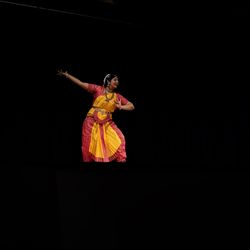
{"type": "Point", "coordinates": [111, 81]}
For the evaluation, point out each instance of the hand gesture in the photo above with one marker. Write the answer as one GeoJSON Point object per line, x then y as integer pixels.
{"type": "Point", "coordinates": [118, 104]}
{"type": "Point", "coordinates": [60, 72]}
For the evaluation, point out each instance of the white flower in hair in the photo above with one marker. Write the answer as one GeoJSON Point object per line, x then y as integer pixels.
{"type": "Point", "coordinates": [105, 78]}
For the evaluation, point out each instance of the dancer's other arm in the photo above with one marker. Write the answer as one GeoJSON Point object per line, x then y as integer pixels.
{"type": "Point", "coordinates": [75, 80]}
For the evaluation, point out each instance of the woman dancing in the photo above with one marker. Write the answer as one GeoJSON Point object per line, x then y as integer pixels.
{"type": "Point", "coordinates": [102, 140]}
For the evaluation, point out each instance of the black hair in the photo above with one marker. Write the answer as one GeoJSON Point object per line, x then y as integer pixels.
{"type": "Point", "coordinates": [108, 78]}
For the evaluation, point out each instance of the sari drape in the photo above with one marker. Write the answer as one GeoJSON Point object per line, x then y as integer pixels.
{"type": "Point", "coordinates": [102, 140]}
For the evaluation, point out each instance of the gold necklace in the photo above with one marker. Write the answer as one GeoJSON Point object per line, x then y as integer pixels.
{"type": "Point", "coordinates": [106, 95]}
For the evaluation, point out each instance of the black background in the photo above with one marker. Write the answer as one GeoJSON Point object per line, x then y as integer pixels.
{"type": "Point", "coordinates": [186, 180]}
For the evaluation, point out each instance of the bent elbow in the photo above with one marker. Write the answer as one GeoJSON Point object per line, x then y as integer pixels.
{"type": "Point", "coordinates": [132, 106]}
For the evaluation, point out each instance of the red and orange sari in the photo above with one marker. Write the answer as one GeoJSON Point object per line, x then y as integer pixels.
{"type": "Point", "coordinates": [102, 140]}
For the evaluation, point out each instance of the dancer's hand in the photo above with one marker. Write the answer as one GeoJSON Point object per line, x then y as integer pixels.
{"type": "Point", "coordinates": [60, 72]}
{"type": "Point", "coordinates": [118, 104]}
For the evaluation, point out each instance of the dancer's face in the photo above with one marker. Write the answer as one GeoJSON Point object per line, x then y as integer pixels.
{"type": "Point", "coordinates": [114, 83]}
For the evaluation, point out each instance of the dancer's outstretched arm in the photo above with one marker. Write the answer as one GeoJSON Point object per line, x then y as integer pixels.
{"type": "Point", "coordinates": [75, 80]}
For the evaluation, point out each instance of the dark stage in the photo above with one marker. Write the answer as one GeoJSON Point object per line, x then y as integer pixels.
{"type": "Point", "coordinates": [185, 182]}
{"type": "Point", "coordinates": [120, 209]}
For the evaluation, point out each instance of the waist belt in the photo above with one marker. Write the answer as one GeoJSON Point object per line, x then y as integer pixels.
{"type": "Point", "coordinates": [101, 120]}
{"type": "Point", "coordinates": [103, 111]}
